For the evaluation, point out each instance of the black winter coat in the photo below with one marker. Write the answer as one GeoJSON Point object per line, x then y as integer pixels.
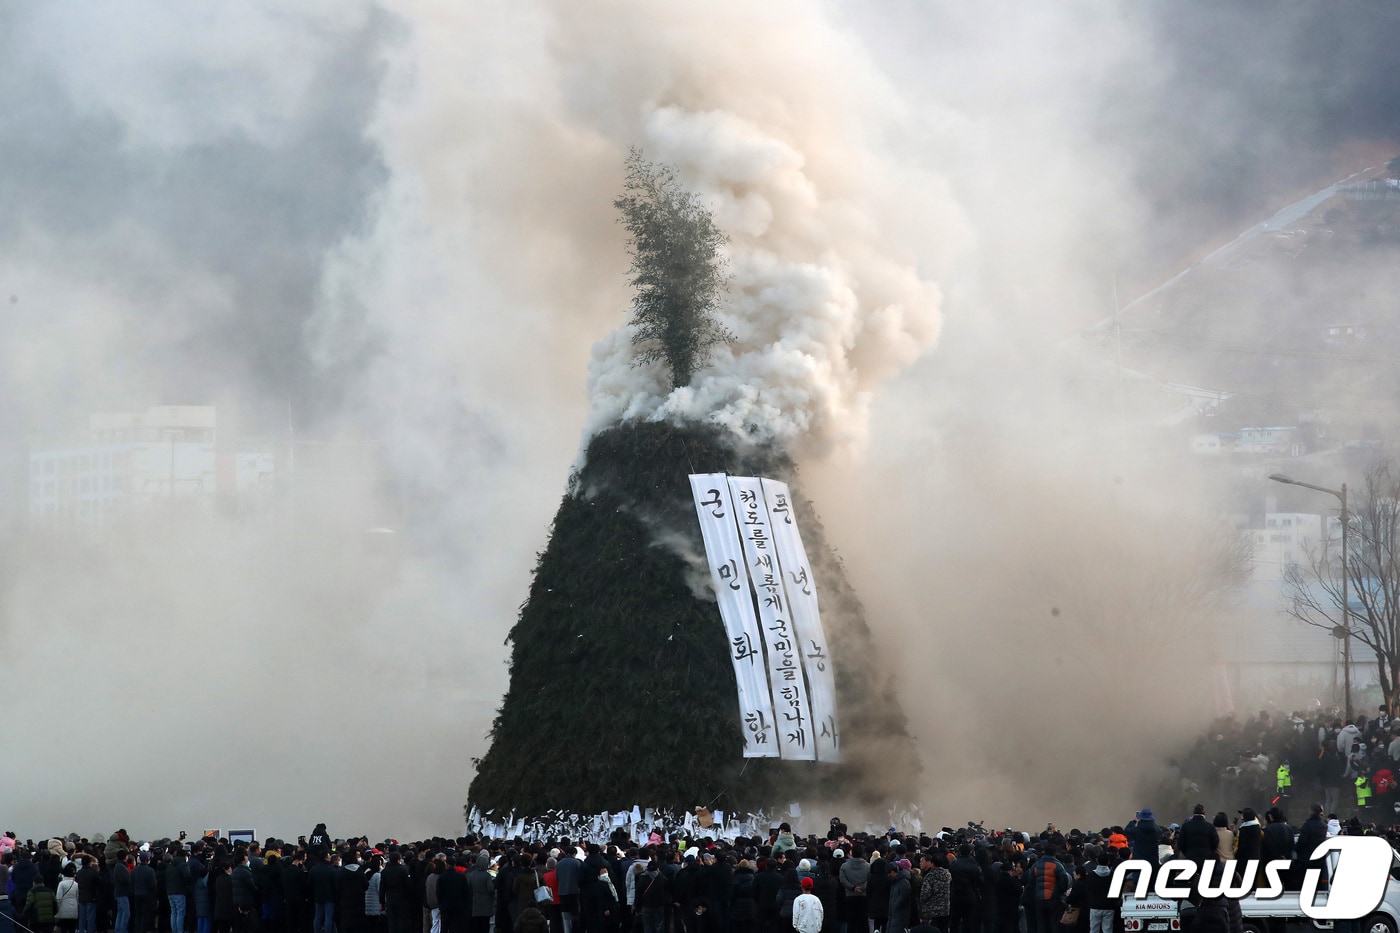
{"type": "Point", "coordinates": [788, 894]}
{"type": "Point", "coordinates": [143, 881]}
{"type": "Point", "coordinates": [454, 898]}
{"type": "Point", "coordinates": [683, 885]}
{"type": "Point", "coordinates": [89, 884]}
{"type": "Point", "coordinates": [293, 886]}
{"type": "Point", "coordinates": [1311, 834]}
{"type": "Point", "coordinates": [743, 911]}
{"type": "Point", "coordinates": [653, 890]}
{"type": "Point", "coordinates": [223, 897]}
{"type": "Point", "coordinates": [1096, 888]}
{"type": "Point", "coordinates": [966, 885]}
{"type": "Point", "coordinates": [1249, 841]}
{"type": "Point", "coordinates": [1218, 915]}
{"type": "Point", "coordinates": [1142, 837]}
{"type": "Point", "coordinates": [1197, 839]}
{"type": "Point", "coordinates": [394, 884]}
{"type": "Point", "coordinates": [832, 894]}
{"type": "Point", "coordinates": [765, 890]}
{"type": "Point", "coordinates": [323, 883]}
{"type": "Point", "coordinates": [350, 892]}
{"type": "Point", "coordinates": [900, 903]}
{"type": "Point", "coordinates": [717, 881]}
{"type": "Point", "coordinates": [1008, 894]}
{"type": "Point", "coordinates": [177, 876]}
{"type": "Point", "coordinates": [877, 890]}
{"type": "Point", "coordinates": [245, 890]}
{"type": "Point", "coordinates": [989, 891]}
{"type": "Point", "coordinates": [1278, 842]}
{"type": "Point", "coordinates": [599, 906]}
{"type": "Point", "coordinates": [531, 921]}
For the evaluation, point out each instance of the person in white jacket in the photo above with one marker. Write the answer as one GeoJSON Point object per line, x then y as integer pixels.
{"type": "Point", "coordinates": [807, 913]}
{"type": "Point", "coordinates": [1346, 737]}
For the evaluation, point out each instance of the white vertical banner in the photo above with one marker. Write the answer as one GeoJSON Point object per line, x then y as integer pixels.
{"type": "Point", "coordinates": [796, 738]}
{"type": "Point", "coordinates": [806, 618]}
{"type": "Point", "coordinates": [725, 554]}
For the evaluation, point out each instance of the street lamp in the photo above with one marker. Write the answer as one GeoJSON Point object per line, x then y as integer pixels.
{"type": "Point", "coordinates": [1341, 494]}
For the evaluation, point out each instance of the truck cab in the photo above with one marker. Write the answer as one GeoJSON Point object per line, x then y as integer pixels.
{"type": "Point", "coordinates": [1282, 914]}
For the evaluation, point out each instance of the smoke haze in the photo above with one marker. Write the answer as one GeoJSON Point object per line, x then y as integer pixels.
{"type": "Point", "coordinates": [382, 236]}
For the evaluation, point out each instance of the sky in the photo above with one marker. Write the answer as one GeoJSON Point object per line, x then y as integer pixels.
{"type": "Point", "coordinates": [386, 229]}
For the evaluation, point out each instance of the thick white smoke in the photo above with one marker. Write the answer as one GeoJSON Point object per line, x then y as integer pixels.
{"type": "Point", "coordinates": [824, 300]}
{"type": "Point", "coordinates": [392, 225]}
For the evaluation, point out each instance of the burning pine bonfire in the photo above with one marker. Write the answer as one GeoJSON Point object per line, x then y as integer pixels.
{"type": "Point", "coordinates": [624, 669]}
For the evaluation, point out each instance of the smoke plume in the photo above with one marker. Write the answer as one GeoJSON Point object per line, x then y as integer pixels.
{"type": "Point", "coordinates": [380, 238]}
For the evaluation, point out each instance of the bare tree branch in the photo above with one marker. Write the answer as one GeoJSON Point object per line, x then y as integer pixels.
{"type": "Point", "coordinates": [1372, 577]}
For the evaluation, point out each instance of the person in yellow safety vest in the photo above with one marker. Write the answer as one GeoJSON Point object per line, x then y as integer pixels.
{"type": "Point", "coordinates": [1285, 779]}
{"type": "Point", "coordinates": [1363, 792]}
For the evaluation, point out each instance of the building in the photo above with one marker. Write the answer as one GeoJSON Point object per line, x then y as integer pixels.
{"type": "Point", "coordinates": [1269, 441]}
{"type": "Point", "coordinates": [1213, 445]}
{"type": "Point", "coordinates": [170, 456]}
{"type": "Point", "coordinates": [1287, 539]}
{"type": "Point", "coordinates": [1267, 654]}
{"type": "Point", "coordinates": [1344, 334]}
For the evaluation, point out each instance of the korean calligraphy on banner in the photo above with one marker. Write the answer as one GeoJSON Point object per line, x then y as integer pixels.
{"type": "Point", "coordinates": [806, 619]}
{"type": "Point", "coordinates": [796, 736]}
{"type": "Point", "coordinates": [715, 509]}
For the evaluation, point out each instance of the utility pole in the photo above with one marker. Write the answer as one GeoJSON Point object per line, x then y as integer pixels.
{"type": "Point", "coordinates": [1345, 628]}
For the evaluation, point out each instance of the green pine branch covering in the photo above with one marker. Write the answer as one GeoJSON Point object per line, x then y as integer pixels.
{"type": "Point", "coordinates": [621, 689]}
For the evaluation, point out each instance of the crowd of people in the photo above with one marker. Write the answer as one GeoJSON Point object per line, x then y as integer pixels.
{"type": "Point", "coordinates": [965, 880]}
{"type": "Point", "coordinates": [1350, 765]}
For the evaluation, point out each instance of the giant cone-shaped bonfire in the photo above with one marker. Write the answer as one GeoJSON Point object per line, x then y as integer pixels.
{"type": "Point", "coordinates": [621, 686]}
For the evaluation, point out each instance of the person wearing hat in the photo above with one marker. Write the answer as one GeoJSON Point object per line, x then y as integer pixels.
{"type": "Point", "coordinates": [1249, 836]}
{"type": "Point", "coordinates": [1311, 834]}
{"type": "Point", "coordinates": [901, 897]}
{"type": "Point", "coordinates": [743, 908]}
{"type": "Point", "coordinates": [807, 911]}
{"type": "Point", "coordinates": [143, 893]}
{"type": "Point", "coordinates": [966, 891]}
{"type": "Point", "coordinates": [718, 878]}
{"type": "Point", "coordinates": [1197, 839]}
{"type": "Point", "coordinates": [1277, 842]}
{"type": "Point", "coordinates": [1142, 836]}
{"type": "Point", "coordinates": [877, 898]}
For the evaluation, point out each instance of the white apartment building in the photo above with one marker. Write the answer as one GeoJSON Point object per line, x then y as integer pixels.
{"type": "Point", "coordinates": [169, 455]}
{"type": "Point", "coordinates": [1287, 538]}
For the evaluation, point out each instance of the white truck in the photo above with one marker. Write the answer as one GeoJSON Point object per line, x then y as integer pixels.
{"type": "Point", "coordinates": [1154, 914]}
